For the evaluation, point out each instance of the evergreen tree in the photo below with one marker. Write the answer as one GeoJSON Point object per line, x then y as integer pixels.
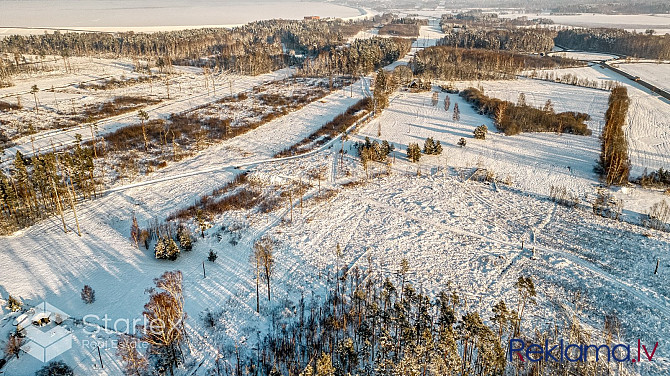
{"type": "Point", "coordinates": [480, 132]}
{"type": "Point", "coordinates": [88, 294]}
{"type": "Point", "coordinates": [413, 152]}
{"type": "Point", "coordinates": [462, 142]}
{"type": "Point", "coordinates": [185, 239]}
{"type": "Point", "coordinates": [212, 256]}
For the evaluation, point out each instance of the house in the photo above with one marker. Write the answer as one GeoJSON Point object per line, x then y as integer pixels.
{"type": "Point", "coordinates": [312, 18]}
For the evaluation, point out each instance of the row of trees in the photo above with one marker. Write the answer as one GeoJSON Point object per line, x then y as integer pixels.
{"type": "Point", "coordinates": [39, 186]}
{"type": "Point", "coordinates": [453, 63]}
{"type": "Point", "coordinates": [520, 40]}
{"type": "Point", "coordinates": [520, 117]}
{"type": "Point", "coordinates": [616, 41]}
{"type": "Point", "coordinates": [614, 163]}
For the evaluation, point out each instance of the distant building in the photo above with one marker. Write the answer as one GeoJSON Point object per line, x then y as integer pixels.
{"type": "Point", "coordinates": [310, 18]}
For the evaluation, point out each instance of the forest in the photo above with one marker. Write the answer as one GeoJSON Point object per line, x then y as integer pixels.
{"type": "Point", "coordinates": [362, 56]}
{"type": "Point", "coordinates": [373, 324]}
{"type": "Point", "coordinates": [254, 48]}
{"type": "Point", "coordinates": [616, 41]}
{"type": "Point", "coordinates": [518, 40]}
{"type": "Point", "coordinates": [453, 63]}
{"type": "Point", "coordinates": [513, 118]}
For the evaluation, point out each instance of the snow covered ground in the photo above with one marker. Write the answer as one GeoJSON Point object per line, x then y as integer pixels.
{"type": "Point", "coordinates": [187, 90]}
{"type": "Point", "coordinates": [657, 74]}
{"type": "Point", "coordinates": [631, 22]}
{"type": "Point", "coordinates": [584, 56]}
{"type": "Point", "coordinates": [153, 15]}
{"type": "Point", "coordinates": [648, 122]}
{"type": "Point", "coordinates": [452, 230]}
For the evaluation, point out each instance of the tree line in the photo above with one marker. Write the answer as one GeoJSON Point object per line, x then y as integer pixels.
{"type": "Point", "coordinates": [254, 48]}
{"type": "Point", "coordinates": [453, 63]}
{"type": "Point", "coordinates": [614, 165]}
{"type": "Point", "coordinates": [514, 118]}
{"type": "Point", "coordinates": [519, 40]}
{"type": "Point", "coordinates": [616, 41]}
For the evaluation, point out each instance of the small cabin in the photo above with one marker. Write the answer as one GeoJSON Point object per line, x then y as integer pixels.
{"type": "Point", "coordinates": [312, 18]}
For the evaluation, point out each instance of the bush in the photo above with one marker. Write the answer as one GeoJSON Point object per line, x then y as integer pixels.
{"type": "Point", "coordinates": [212, 256]}
{"type": "Point", "coordinates": [13, 304]}
{"type": "Point", "coordinates": [55, 368]}
{"type": "Point", "coordinates": [480, 132]}
{"type": "Point", "coordinates": [88, 294]}
{"type": "Point", "coordinates": [462, 142]}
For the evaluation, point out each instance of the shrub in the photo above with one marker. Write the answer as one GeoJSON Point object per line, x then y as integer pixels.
{"type": "Point", "coordinates": [212, 256]}
{"type": "Point", "coordinates": [462, 142]}
{"type": "Point", "coordinates": [55, 368]}
{"type": "Point", "coordinates": [88, 294]}
{"type": "Point", "coordinates": [13, 304]}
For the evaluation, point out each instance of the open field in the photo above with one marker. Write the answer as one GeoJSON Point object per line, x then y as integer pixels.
{"type": "Point", "coordinates": [657, 74]}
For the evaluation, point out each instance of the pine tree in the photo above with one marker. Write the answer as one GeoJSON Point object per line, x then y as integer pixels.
{"type": "Point", "coordinates": [447, 103]}
{"type": "Point", "coordinates": [462, 142]}
{"type": "Point", "coordinates": [185, 241]}
{"type": "Point", "coordinates": [212, 256]}
{"type": "Point", "coordinates": [480, 132]}
{"type": "Point", "coordinates": [413, 152]}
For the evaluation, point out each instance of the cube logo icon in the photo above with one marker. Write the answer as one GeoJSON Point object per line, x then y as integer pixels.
{"type": "Point", "coordinates": [45, 331]}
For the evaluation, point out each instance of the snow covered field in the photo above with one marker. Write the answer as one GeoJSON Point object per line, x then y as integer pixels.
{"type": "Point", "coordinates": [631, 22]}
{"type": "Point", "coordinates": [584, 56]}
{"type": "Point", "coordinates": [187, 90]}
{"type": "Point", "coordinates": [153, 15]}
{"type": "Point", "coordinates": [657, 74]}
{"type": "Point", "coordinates": [648, 122]}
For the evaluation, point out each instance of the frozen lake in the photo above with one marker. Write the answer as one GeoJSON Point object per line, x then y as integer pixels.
{"type": "Point", "coordinates": [143, 15]}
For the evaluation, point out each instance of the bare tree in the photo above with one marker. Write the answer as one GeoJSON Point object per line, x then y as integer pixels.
{"type": "Point", "coordinates": [263, 259]}
{"type": "Point", "coordinates": [34, 91]}
{"type": "Point", "coordinates": [144, 116]}
{"type": "Point", "coordinates": [126, 349]}
{"type": "Point", "coordinates": [164, 314]}
{"type": "Point", "coordinates": [13, 346]}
